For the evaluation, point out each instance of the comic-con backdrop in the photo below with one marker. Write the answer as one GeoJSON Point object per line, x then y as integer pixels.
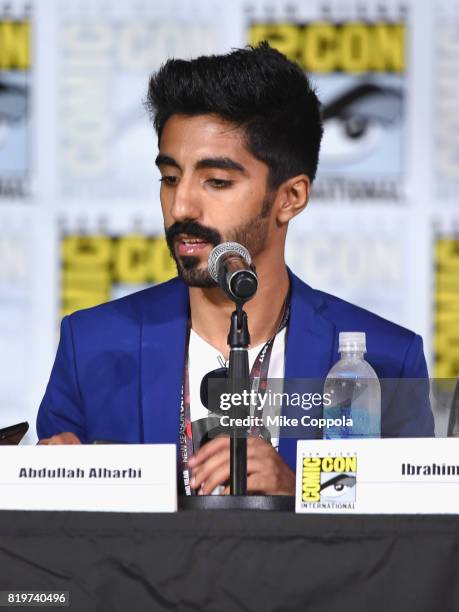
{"type": "Point", "coordinates": [80, 220]}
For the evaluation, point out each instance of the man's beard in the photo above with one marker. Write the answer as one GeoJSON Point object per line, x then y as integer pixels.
{"type": "Point", "coordinates": [252, 235]}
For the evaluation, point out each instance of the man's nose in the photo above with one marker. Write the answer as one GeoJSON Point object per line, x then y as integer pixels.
{"type": "Point", "coordinates": [185, 205]}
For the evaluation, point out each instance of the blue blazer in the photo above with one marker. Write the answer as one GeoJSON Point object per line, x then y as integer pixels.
{"type": "Point", "coordinates": [119, 366]}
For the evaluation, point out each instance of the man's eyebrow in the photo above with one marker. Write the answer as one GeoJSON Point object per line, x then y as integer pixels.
{"type": "Point", "coordinates": [224, 163]}
{"type": "Point", "coordinates": [165, 160]}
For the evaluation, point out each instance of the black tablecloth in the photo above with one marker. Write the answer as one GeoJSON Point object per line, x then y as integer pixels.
{"type": "Point", "coordinates": [234, 560]}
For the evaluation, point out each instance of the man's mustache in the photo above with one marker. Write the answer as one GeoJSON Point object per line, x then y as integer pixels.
{"type": "Point", "coordinates": [191, 228]}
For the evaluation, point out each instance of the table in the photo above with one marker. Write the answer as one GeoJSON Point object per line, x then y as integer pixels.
{"type": "Point", "coordinates": [234, 560]}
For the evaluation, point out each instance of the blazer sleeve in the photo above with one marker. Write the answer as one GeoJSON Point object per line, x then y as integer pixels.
{"type": "Point", "coordinates": [62, 406]}
{"type": "Point", "coordinates": [410, 414]}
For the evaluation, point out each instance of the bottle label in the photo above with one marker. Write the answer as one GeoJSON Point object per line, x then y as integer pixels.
{"type": "Point", "coordinates": [351, 422]}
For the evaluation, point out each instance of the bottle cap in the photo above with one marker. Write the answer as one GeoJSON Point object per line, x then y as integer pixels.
{"type": "Point", "coordinates": [352, 342]}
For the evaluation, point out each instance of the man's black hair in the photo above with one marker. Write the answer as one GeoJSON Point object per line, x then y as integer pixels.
{"type": "Point", "coordinates": [257, 88]}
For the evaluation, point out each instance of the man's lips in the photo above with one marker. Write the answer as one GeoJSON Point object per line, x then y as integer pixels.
{"type": "Point", "coordinates": [190, 245]}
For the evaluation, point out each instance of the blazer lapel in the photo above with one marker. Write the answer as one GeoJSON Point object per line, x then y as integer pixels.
{"type": "Point", "coordinates": [311, 346]}
{"type": "Point", "coordinates": [163, 339]}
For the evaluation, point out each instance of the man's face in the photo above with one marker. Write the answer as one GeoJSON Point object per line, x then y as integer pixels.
{"type": "Point", "coordinates": [212, 190]}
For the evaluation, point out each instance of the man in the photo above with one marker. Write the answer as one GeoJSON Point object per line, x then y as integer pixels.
{"type": "Point", "coordinates": [239, 138]}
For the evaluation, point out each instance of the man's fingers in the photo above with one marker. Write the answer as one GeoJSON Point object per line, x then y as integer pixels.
{"type": "Point", "coordinates": [255, 465]}
{"type": "Point", "coordinates": [220, 476]}
{"type": "Point", "coordinates": [256, 483]}
{"type": "Point", "coordinates": [267, 473]}
{"type": "Point", "coordinates": [254, 468]}
{"type": "Point", "coordinates": [254, 446]}
{"type": "Point", "coordinates": [280, 480]}
{"type": "Point", "coordinates": [67, 437]}
{"type": "Point", "coordinates": [206, 470]}
{"type": "Point", "coordinates": [216, 471]}
{"type": "Point", "coordinates": [209, 449]}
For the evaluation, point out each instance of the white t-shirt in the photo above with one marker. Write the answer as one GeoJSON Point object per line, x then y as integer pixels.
{"type": "Point", "coordinates": [203, 358]}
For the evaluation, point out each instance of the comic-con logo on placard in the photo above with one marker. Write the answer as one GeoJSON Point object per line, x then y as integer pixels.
{"type": "Point", "coordinates": [358, 69]}
{"type": "Point", "coordinates": [329, 482]}
{"type": "Point", "coordinates": [14, 105]}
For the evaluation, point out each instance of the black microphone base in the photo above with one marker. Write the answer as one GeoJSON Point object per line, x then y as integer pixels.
{"type": "Point", "coordinates": [274, 503]}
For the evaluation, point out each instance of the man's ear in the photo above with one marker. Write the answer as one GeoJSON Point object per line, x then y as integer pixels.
{"type": "Point", "coordinates": [292, 197]}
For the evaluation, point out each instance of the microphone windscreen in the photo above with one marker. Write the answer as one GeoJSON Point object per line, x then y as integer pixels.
{"type": "Point", "coordinates": [223, 250]}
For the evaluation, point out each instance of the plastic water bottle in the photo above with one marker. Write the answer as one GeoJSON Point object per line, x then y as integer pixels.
{"type": "Point", "coordinates": [355, 393]}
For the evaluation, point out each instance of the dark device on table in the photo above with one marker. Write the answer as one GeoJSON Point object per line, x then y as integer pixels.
{"type": "Point", "coordinates": [12, 435]}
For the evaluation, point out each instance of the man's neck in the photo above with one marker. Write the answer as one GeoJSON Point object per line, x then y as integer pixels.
{"type": "Point", "coordinates": [211, 310]}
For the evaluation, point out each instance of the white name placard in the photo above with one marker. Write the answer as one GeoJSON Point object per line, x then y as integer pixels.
{"type": "Point", "coordinates": [387, 476]}
{"type": "Point", "coordinates": [106, 477]}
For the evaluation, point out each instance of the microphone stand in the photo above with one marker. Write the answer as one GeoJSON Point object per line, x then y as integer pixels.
{"type": "Point", "coordinates": [239, 381]}
{"type": "Point", "coordinates": [239, 290]}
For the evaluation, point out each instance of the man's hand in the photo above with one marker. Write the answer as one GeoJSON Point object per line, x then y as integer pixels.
{"type": "Point", "coordinates": [266, 471]}
{"type": "Point", "coordinates": [67, 437]}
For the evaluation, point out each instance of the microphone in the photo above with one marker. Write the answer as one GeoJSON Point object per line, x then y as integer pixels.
{"type": "Point", "coordinates": [230, 266]}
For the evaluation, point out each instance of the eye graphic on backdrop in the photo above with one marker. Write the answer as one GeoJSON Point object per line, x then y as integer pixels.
{"type": "Point", "coordinates": [340, 487]}
{"type": "Point", "coordinates": [13, 106]}
{"type": "Point", "coordinates": [355, 121]}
